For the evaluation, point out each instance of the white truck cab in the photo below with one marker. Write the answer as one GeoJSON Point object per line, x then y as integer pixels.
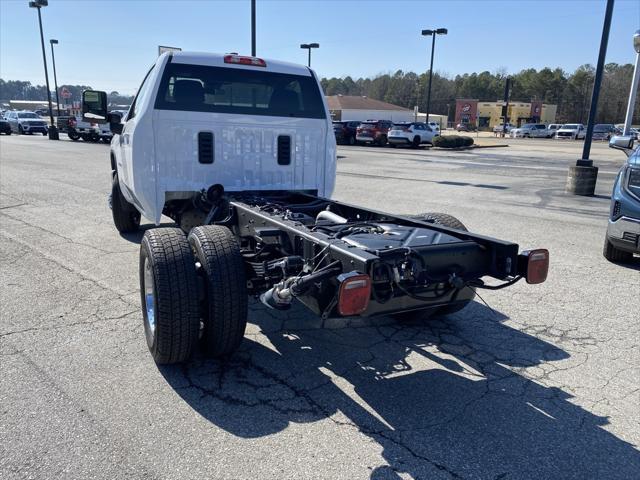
{"type": "Point", "coordinates": [200, 119]}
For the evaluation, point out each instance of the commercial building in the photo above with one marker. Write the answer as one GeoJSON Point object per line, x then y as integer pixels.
{"type": "Point", "coordinates": [351, 107]}
{"type": "Point", "coordinates": [486, 115]}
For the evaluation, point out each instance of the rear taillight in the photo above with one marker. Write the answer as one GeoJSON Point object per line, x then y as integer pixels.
{"type": "Point", "coordinates": [240, 60]}
{"type": "Point", "coordinates": [534, 265]}
{"type": "Point", "coordinates": [354, 293]}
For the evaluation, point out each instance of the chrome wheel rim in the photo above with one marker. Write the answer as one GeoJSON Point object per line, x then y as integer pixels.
{"type": "Point", "coordinates": [149, 298]}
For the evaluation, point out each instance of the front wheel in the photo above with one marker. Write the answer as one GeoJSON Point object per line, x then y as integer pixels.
{"type": "Point", "coordinates": [20, 130]}
{"type": "Point", "coordinates": [614, 254]}
{"type": "Point", "coordinates": [169, 295]}
{"type": "Point", "coordinates": [125, 216]}
{"type": "Point", "coordinates": [382, 140]}
{"type": "Point", "coordinates": [73, 135]}
{"type": "Point", "coordinates": [416, 141]}
{"type": "Point", "coordinates": [225, 305]}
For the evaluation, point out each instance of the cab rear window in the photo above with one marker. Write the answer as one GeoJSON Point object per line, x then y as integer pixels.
{"type": "Point", "coordinates": [199, 88]}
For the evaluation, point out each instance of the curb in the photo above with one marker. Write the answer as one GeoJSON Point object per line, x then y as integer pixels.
{"type": "Point", "coordinates": [471, 147]}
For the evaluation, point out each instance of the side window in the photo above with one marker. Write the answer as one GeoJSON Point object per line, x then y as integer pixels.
{"type": "Point", "coordinates": [142, 93]}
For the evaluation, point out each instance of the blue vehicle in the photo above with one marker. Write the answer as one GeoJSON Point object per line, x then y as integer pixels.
{"type": "Point", "coordinates": [623, 232]}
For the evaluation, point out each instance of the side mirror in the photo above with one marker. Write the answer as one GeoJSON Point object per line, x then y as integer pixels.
{"type": "Point", "coordinates": [115, 123]}
{"type": "Point", "coordinates": [94, 106]}
{"type": "Point", "coordinates": [622, 142]}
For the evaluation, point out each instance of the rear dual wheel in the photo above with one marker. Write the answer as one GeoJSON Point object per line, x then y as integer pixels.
{"type": "Point", "coordinates": [172, 305]}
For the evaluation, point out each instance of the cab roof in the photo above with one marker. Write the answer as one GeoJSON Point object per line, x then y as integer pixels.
{"type": "Point", "coordinates": [217, 60]}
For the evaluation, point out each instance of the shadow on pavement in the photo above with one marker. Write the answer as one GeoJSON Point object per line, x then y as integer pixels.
{"type": "Point", "coordinates": [136, 237]}
{"type": "Point", "coordinates": [443, 399]}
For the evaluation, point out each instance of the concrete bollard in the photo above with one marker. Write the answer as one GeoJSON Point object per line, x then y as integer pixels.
{"type": "Point", "coordinates": [582, 180]}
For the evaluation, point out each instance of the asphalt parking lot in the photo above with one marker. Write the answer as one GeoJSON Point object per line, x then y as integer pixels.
{"type": "Point", "coordinates": [543, 384]}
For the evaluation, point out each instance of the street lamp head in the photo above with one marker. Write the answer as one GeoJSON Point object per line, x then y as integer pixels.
{"type": "Point", "coordinates": [53, 41]}
{"type": "Point", "coordinates": [314, 45]}
{"type": "Point", "coordinates": [38, 3]}
{"type": "Point", "coordinates": [427, 32]}
{"type": "Point", "coordinates": [636, 41]}
{"type": "Point", "coordinates": [442, 31]}
{"type": "Point", "coordinates": [304, 45]}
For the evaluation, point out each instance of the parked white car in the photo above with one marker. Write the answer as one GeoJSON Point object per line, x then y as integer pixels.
{"type": "Point", "coordinates": [531, 130]}
{"type": "Point", "coordinates": [435, 126]}
{"type": "Point", "coordinates": [499, 128]}
{"type": "Point", "coordinates": [553, 128]}
{"type": "Point", "coordinates": [574, 131]}
{"type": "Point", "coordinates": [414, 134]}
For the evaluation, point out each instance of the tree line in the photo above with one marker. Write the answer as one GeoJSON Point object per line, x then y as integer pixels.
{"type": "Point", "coordinates": [21, 90]}
{"type": "Point", "coordinates": [570, 92]}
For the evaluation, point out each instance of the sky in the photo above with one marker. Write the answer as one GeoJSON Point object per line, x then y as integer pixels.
{"type": "Point", "coordinates": [110, 44]}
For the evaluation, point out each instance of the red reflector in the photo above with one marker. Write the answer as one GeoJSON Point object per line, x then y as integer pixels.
{"type": "Point", "coordinates": [355, 290]}
{"type": "Point", "coordinates": [537, 265]}
{"type": "Point", "coordinates": [240, 60]}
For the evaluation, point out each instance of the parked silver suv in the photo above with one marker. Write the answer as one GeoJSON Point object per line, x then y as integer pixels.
{"type": "Point", "coordinates": [26, 122]}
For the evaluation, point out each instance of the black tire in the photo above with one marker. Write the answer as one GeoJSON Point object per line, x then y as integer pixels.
{"type": "Point", "coordinates": [442, 219]}
{"type": "Point", "coordinates": [125, 216]}
{"type": "Point", "coordinates": [352, 140]}
{"type": "Point", "coordinates": [169, 285]}
{"type": "Point", "coordinates": [382, 140]}
{"type": "Point", "coordinates": [614, 254]}
{"type": "Point", "coordinates": [20, 130]}
{"type": "Point", "coordinates": [226, 300]}
{"type": "Point", "coordinates": [416, 141]}
{"type": "Point", "coordinates": [8, 133]}
{"type": "Point", "coordinates": [75, 136]}
{"type": "Point", "coordinates": [44, 134]}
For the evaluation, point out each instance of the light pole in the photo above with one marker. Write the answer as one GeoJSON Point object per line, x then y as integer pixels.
{"type": "Point", "coordinates": [309, 46]}
{"type": "Point", "coordinates": [38, 4]}
{"type": "Point", "coordinates": [582, 178]}
{"type": "Point", "coordinates": [253, 28]}
{"type": "Point", "coordinates": [432, 33]}
{"type": "Point", "coordinates": [55, 78]}
{"type": "Point", "coordinates": [634, 85]}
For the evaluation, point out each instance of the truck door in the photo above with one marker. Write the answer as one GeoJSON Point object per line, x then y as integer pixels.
{"type": "Point", "coordinates": [124, 159]}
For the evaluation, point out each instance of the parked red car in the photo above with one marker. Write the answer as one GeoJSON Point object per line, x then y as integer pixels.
{"type": "Point", "coordinates": [374, 131]}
